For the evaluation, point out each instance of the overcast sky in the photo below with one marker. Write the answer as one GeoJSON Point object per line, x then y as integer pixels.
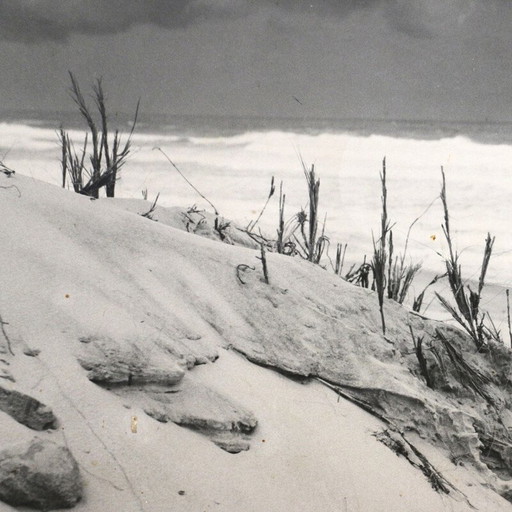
{"type": "Point", "coordinates": [413, 59]}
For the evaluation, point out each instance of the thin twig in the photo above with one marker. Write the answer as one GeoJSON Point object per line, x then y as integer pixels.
{"type": "Point", "coordinates": [436, 479]}
{"type": "Point", "coordinates": [186, 179]}
{"type": "Point", "coordinates": [149, 213]}
{"type": "Point", "coordinates": [263, 260]}
{"type": "Point", "coordinates": [469, 315]}
{"type": "Point", "coordinates": [242, 268]}
{"type": "Point", "coordinates": [252, 225]}
{"type": "Point", "coordinates": [418, 350]}
{"type": "Point", "coordinates": [418, 301]}
{"type": "Point", "coordinates": [379, 250]}
{"type": "Point", "coordinates": [280, 227]}
{"type": "Point", "coordinates": [508, 316]}
{"type": "Point", "coordinates": [12, 186]}
{"type": "Point", "coordinates": [412, 225]}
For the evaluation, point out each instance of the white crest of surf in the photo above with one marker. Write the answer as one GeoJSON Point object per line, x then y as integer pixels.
{"type": "Point", "coordinates": [234, 173]}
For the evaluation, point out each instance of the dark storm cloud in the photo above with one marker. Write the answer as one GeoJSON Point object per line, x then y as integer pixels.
{"type": "Point", "coordinates": [420, 19]}
{"type": "Point", "coordinates": [33, 21]}
{"type": "Point", "coordinates": [339, 8]}
{"type": "Point", "coordinates": [431, 18]}
{"type": "Point", "coordinates": [29, 21]}
{"type": "Point", "coordinates": [409, 19]}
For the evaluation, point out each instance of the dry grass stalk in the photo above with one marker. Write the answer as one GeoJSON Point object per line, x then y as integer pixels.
{"type": "Point", "coordinates": [280, 227]}
{"type": "Point", "coordinates": [310, 246]}
{"type": "Point", "coordinates": [72, 164]}
{"type": "Point", "coordinates": [468, 375]}
{"type": "Point", "coordinates": [508, 317]}
{"type": "Point", "coordinates": [313, 192]}
{"type": "Point", "coordinates": [78, 98]}
{"type": "Point", "coordinates": [187, 180]}
{"type": "Point", "coordinates": [242, 268]}
{"type": "Point", "coordinates": [107, 156]}
{"type": "Point", "coordinates": [396, 442]}
{"type": "Point", "coordinates": [64, 155]}
{"type": "Point", "coordinates": [400, 274]}
{"type": "Point", "coordinates": [263, 259]}
{"type": "Point", "coordinates": [491, 330]}
{"type": "Point", "coordinates": [436, 479]}
{"type": "Point", "coordinates": [149, 213]}
{"type": "Point", "coordinates": [287, 241]}
{"type": "Point", "coordinates": [341, 250]}
{"type": "Point", "coordinates": [418, 301]}
{"type": "Point", "coordinates": [378, 264]}
{"type": "Point", "coordinates": [418, 349]}
{"type": "Point", "coordinates": [252, 225]}
{"type": "Point", "coordinates": [220, 226]}
{"type": "Point", "coordinates": [359, 276]}
{"type": "Point", "coordinates": [300, 234]}
{"type": "Point", "coordinates": [467, 311]}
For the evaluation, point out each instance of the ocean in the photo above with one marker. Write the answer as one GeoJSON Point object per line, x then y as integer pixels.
{"type": "Point", "coordinates": [231, 160]}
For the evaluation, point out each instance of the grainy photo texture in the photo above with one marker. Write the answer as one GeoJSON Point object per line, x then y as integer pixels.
{"type": "Point", "coordinates": [255, 256]}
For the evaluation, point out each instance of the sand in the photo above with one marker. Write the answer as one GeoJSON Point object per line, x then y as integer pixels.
{"type": "Point", "coordinates": [76, 272]}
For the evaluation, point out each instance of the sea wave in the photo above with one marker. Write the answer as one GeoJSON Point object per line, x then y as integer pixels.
{"type": "Point", "coordinates": [233, 169]}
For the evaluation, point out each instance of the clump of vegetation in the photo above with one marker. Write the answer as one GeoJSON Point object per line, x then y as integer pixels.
{"type": "Point", "coordinates": [470, 376]}
{"type": "Point", "coordinates": [6, 170]}
{"type": "Point", "coordinates": [72, 164]}
{"type": "Point", "coordinates": [313, 246]}
{"type": "Point", "coordinates": [417, 342]}
{"type": "Point", "coordinates": [467, 310]}
{"type": "Point", "coordinates": [281, 244]}
{"type": "Point", "coordinates": [220, 226]}
{"type": "Point", "coordinates": [400, 279]}
{"type": "Point", "coordinates": [418, 301]}
{"type": "Point", "coordinates": [107, 155]}
{"type": "Point", "coordinates": [378, 264]}
{"type": "Point", "coordinates": [392, 275]}
{"type": "Point", "coordinates": [299, 236]}
{"type": "Point", "coordinates": [151, 211]}
{"type": "Point", "coordinates": [360, 276]}
{"type": "Point", "coordinates": [400, 274]}
{"type": "Point", "coordinates": [341, 251]}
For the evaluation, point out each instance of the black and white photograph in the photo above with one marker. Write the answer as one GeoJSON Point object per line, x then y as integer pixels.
{"type": "Point", "coordinates": [256, 255]}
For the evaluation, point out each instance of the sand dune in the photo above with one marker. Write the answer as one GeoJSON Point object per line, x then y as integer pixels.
{"type": "Point", "coordinates": [176, 386]}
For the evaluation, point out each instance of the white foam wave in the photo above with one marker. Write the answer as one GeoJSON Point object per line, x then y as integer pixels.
{"type": "Point", "coordinates": [234, 172]}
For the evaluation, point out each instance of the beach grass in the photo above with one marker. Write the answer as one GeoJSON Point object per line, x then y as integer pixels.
{"type": "Point", "coordinates": [107, 154]}
{"type": "Point", "coordinates": [467, 311]}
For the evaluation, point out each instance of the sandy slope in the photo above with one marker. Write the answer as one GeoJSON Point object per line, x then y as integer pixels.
{"type": "Point", "coordinates": [77, 274]}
